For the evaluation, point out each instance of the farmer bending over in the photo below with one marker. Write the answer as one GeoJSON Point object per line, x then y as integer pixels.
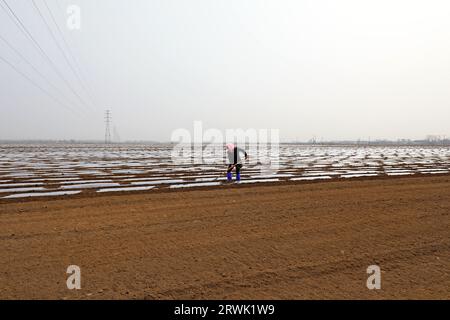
{"type": "Point", "coordinates": [234, 161]}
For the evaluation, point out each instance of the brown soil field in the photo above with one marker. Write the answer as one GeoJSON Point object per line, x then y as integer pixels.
{"type": "Point", "coordinates": [286, 241]}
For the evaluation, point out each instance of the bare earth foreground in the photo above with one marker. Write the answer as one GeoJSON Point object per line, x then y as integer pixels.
{"type": "Point", "coordinates": [290, 241]}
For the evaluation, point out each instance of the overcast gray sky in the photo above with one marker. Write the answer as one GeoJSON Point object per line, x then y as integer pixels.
{"type": "Point", "coordinates": [344, 69]}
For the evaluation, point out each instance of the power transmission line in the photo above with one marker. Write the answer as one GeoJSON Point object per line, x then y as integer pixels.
{"type": "Point", "coordinates": [36, 85]}
{"type": "Point", "coordinates": [24, 30]}
{"type": "Point", "coordinates": [62, 52]}
{"type": "Point", "coordinates": [82, 79]}
{"type": "Point", "coordinates": [57, 43]}
{"type": "Point", "coordinates": [31, 65]}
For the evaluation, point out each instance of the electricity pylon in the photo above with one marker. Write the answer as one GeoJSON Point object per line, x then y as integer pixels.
{"type": "Point", "coordinates": [108, 127]}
